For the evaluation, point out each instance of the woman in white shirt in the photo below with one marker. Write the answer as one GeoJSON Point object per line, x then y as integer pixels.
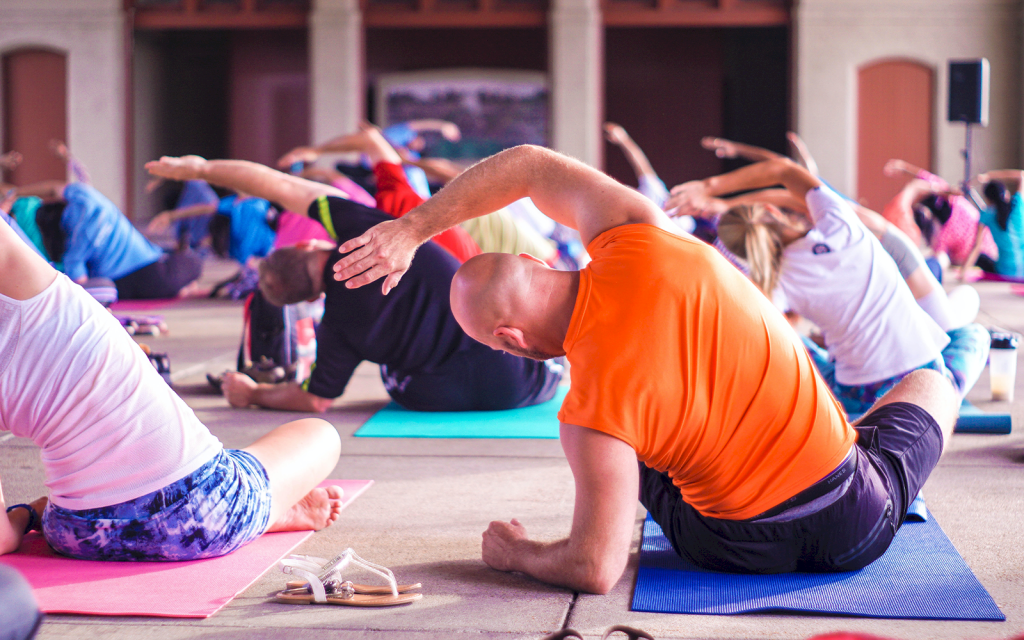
{"type": "Point", "coordinates": [132, 473]}
{"type": "Point", "coordinates": [835, 272]}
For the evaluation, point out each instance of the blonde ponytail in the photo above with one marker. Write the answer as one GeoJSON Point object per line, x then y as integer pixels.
{"type": "Point", "coordinates": [752, 233]}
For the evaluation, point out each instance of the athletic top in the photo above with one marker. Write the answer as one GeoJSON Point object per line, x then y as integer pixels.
{"type": "Point", "coordinates": [501, 232]}
{"type": "Point", "coordinates": [396, 197]}
{"type": "Point", "coordinates": [841, 279]}
{"type": "Point", "coordinates": [1010, 240]}
{"type": "Point", "coordinates": [24, 213]}
{"type": "Point", "coordinates": [101, 241]}
{"type": "Point", "coordinates": [957, 236]}
{"type": "Point", "coordinates": [411, 329]}
{"type": "Point", "coordinates": [677, 354]}
{"type": "Point", "coordinates": [73, 381]}
{"type": "Point", "coordinates": [251, 234]}
{"type": "Point", "coordinates": [293, 228]}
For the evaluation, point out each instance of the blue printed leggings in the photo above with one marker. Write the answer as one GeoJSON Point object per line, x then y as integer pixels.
{"type": "Point", "coordinates": [211, 512]}
{"type": "Point", "coordinates": [962, 362]}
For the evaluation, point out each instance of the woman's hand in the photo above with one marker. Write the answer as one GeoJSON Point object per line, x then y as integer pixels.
{"type": "Point", "coordinates": [159, 223]}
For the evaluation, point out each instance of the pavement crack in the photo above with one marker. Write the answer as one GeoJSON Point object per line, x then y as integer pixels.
{"type": "Point", "coordinates": [568, 612]}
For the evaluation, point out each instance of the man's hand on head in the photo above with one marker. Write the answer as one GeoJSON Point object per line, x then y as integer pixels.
{"type": "Point", "coordinates": [386, 249]}
{"type": "Point", "coordinates": [500, 544]}
{"type": "Point", "coordinates": [181, 169]}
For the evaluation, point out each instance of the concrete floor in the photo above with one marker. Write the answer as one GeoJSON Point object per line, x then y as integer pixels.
{"type": "Point", "coordinates": [432, 499]}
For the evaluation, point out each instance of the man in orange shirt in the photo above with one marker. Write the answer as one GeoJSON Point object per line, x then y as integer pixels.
{"type": "Point", "coordinates": [678, 362]}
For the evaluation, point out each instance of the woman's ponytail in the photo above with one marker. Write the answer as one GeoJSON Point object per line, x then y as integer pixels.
{"type": "Point", "coordinates": [752, 233]}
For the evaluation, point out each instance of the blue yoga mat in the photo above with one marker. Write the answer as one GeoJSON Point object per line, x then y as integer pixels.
{"type": "Point", "coordinates": [538, 421]}
{"type": "Point", "coordinates": [921, 576]}
{"type": "Point", "coordinates": [974, 420]}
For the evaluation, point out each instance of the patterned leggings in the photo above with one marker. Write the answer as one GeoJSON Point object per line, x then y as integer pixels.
{"type": "Point", "coordinates": [962, 362]}
{"type": "Point", "coordinates": [211, 512]}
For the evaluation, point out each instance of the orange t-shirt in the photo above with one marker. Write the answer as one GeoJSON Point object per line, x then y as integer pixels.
{"type": "Point", "coordinates": [676, 353]}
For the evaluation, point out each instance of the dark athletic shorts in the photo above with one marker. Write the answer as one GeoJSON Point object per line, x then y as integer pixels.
{"type": "Point", "coordinates": [475, 379]}
{"type": "Point", "coordinates": [161, 279]}
{"type": "Point", "coordinates": [897, 447]}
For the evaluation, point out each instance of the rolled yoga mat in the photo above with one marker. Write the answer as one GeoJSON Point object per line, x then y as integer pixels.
{"type": "Point", "coordinates": [974, 420]}
{"type": "Point", "coordinates": [921, 576]}
{"type": "Point", "coordinates": [538, 421]}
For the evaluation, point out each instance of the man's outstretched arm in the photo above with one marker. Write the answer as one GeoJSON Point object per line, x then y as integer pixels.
{"type": "Point", "coordinates": [796, 179]}
{"type": "Point", "coordinates": [594, 555]}
{"type": "Point", "coordinates": [242, 391]}
{"type": "Point", "coordinates": [566, 190]}
{"type": "Point", "coordinates": [292, 192]}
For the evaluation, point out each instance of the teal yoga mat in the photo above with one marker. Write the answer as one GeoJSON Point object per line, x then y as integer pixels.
{"type": "Point", "coordinates": [538, 421]}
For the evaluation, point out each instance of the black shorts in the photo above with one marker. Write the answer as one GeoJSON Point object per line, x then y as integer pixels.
{"type": "Point", "coordinates": [897, 447]}
{"type": "Point", "coordinates": [475, 379]}
{"type": "Point", "coordinates": [161, 279]}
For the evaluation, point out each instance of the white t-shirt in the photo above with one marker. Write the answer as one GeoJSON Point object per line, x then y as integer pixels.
{"type": "Point", "coordinates": [73, 381]}
{"type": "Point", "coordinates": [841, 279]}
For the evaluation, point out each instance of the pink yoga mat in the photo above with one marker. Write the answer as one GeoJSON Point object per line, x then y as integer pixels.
{"type": "Point", "coordinates": [143, 305]}
{"type": "Point", "coordinates": [195, 589]}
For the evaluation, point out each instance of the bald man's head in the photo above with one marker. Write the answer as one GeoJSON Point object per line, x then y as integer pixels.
{"type": "Point", "coordinates": [494, 299]}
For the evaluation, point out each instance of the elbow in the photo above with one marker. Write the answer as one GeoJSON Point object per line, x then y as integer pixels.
{"type": "Point", "coordinates": [600, 577]}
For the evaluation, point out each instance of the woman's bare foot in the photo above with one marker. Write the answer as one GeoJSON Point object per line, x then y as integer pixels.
{"type": "Point", "coordinates": [316, 511]}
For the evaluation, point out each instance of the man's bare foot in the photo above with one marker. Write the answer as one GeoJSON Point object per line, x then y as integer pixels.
{"type": "Point", "coordinates": [318, 510]}
{"type": "Point", "coordinates": [195, 290]}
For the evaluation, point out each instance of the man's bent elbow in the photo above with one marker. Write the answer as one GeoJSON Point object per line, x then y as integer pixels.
{"type": "Point", "coordinates": [600, 577]}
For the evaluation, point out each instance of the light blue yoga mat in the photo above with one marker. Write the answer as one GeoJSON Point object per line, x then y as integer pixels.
{"type": "Point", "coordinates": [921, 576]}
{"type": "Point", "coordinates": [538, 421]}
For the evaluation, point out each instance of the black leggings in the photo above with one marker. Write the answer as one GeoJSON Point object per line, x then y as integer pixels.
{"type": "Point", "coordinates": [161, 279]}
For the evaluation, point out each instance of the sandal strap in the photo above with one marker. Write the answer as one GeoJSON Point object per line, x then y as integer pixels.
{"type": "Point", "coordinates": [349, 556]}
{"type": "Point", "coordinates": [315, 585]}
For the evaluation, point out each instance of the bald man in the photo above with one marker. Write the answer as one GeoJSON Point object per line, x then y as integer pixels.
{"type": "Point", "coordinates": [678, 362]}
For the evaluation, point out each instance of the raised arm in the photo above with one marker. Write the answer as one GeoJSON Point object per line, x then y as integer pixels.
{"type": "Point", "coordinates": [636, 157]}
{"type": "Point", "coordinates": [895, 168]}
{"type": "Point", "coordinates": [729, 149]}
{"type": "Point", "coordinates": [449, 130]}
{"type": "Point", "coordinates": [368, 140]}
{"type": "Point", "coordinates": [566, 190]}
{"type": "Point", "coordinates": [801, 153]}
{"type": "Point", "coordinates": [796, 180]}
{"type": "Point", "coordinates": [45, 189]}
{"type": "Point", "coordinates": [594, 555]}
{"type": "Point", "coordinates": [162, 220]}
{"type": "Point", "coordinates": [1013, 178]}
{"type": "Point", "coordinates": [292, 192]}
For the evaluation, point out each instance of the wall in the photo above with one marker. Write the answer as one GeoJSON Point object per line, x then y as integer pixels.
{"type": "Point", "coordinates": [835, 37]}
{"type": "Point", "coordinates": [91, 33]}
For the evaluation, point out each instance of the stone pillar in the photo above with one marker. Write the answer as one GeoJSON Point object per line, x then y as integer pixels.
{"type": "Point", "coordinates": [577, 79]}
{"type": "Point", "coordinates": [336, 67]}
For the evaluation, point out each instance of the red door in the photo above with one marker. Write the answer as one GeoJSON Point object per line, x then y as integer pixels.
{"type": "Point", "coordinates": [894, 120]}
{"type": "Point", "coordinates": [35, 112]}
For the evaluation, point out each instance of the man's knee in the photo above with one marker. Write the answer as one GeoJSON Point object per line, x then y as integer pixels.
{"type": "Point", "coordinates": [930, 390]}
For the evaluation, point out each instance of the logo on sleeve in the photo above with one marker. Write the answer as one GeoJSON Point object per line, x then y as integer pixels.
{"type": "Point", "coordinates": [821, 248]}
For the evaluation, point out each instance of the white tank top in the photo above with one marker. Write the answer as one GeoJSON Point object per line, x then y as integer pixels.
{"type": "Point", "coordinates": [73, 381]}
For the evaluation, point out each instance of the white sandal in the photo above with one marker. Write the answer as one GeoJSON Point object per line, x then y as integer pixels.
{"type": "Point", "coordinates": [322, 583]}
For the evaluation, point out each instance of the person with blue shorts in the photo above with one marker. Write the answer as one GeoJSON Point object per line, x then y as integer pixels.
{"type": "Point", "coordinates": [132, 473]}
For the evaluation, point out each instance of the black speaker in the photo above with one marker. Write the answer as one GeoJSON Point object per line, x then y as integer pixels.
{"type": "Point", "coordinates": [968, 91]}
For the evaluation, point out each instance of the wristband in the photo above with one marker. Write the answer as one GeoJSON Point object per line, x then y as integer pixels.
{"type": "Point", "coordinates": [33, 517]}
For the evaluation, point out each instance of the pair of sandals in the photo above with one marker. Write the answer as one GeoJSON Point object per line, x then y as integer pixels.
{"type": "Point", "coordinates": [631, 633]}
{"type": "Point", "coordinates": [321, 582]}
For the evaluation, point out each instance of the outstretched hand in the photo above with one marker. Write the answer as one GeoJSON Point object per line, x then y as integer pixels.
{"type": "Point", "coordinates": [499, 544]}
{"type": "Point", "coordinates": [893, 168]}
{"type": "Point", "coordinates": [181, 169]}
{"type": "Point", "coordinates": [690, 198]}
{"type": "Point", "coordinates": [615, 133]}
{"type": "Point", "coordinates": [386, 249]}
{"type": "Point", "coordinates": [723, 148]}
{"type": "Point", "coordinates": [159, 223]}
{"type": "Point", "coordinates": [298, 154]}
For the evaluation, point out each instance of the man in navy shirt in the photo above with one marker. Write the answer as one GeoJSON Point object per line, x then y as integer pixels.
{"type": "Point", "coordinates": [427, 362]}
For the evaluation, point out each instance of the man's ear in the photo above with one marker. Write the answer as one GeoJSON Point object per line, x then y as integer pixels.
{"type": "Point", "coordinates": [513, 334]}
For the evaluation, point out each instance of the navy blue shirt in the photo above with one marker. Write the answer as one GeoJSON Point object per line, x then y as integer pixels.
{"type": "Point", "coordinates": [411, 329]}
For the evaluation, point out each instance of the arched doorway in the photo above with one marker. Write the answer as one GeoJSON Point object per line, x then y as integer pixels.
{"type": "Point", "coordinates": [894, 120]}
{"type": "Point", "coordinates": [34, 112]}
